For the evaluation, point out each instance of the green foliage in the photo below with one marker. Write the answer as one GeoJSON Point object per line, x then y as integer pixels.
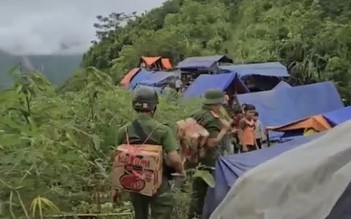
{"type": "Point", "coordinates": [206, 176]}
{"type": "Point", "coordinates": [310, 37]}
{"type": "Point", "coordinates": [55, 148]}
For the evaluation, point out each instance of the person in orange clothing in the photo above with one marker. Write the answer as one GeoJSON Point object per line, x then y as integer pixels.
{"type": "Point", "coordinates": [247, 130]}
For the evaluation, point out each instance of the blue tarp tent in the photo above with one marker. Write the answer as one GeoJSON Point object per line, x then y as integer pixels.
{"type": "Point", "coordinates": [230, 168]}
{"type": "Point", "coordinates": [217, 81]}
{"type": "Point", "coordinates": [149, 78]}
{"type": "Point", "coordinates": [202, 62]}
{"type": "Point", "coordinates": [279, 107]}
{"type": "Point", "coordinates": [157, 78]}
{"type": "Point", "coordinates": [263, 69]}
{"type": "Point", "coordinates": [282, 85]}
{"type": "Point", "coordinates": [338, 116]}
{"type": "Point", "coordinates": [140, 76]}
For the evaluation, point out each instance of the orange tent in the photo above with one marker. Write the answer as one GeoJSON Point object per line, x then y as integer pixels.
{"type": "Point", "coordinates": [158, 62]}
{"type": "Point", "coordinates": [129, 76]}
{"type": "Point", "coordinates": [166, 63]}
{"type": "Point", "coordinates": [149, 61]}
{"type": "Point", "coordinates": [317, 123]}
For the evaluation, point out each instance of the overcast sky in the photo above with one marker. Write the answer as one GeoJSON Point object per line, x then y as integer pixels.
{"type": "Point", "coordinates": [41, 26]}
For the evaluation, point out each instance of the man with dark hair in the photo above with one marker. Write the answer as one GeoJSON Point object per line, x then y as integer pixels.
{"type": "Point", "coordinates": [146, 130]}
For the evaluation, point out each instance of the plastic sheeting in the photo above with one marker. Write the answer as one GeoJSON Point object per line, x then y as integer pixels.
{"type": "Point", "coordinates": [282, 85]}
{"type": "Point", "coordinates": [150, 60]}
{"type": "Point", "coordinates": [129, 76]}
{"type": "Point", "coordinates": [230, 168]}
{"type": "Point", "coordinates": [141, 76]}
{"type": "Point", "coordinates": [149, 78]}
{"type": "Point", "coordinates": [339, 116]}
{"type": "Point", "coordinates": [317, 123]}
{"type": "Point", "coordinates": [283, 106]}
{"type": "Point", "coordinates": [305, 182]}
{"type": "Point", "coordinates": [218, 81]}
{"type": "Point", "coordinates": [156, 78]}
{"type": "Point", "coordinates": [202, 61]}
{"type": "Point", "coordinates": [265, 69]}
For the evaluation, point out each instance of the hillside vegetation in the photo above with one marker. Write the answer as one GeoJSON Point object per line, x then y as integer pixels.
{"type": "Point", "coordinates": [311, 37]}
{"type": "Point", "coordinates": [56, 145]}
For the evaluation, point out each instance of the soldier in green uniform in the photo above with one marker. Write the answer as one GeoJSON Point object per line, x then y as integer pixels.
{"type": "Point", "coordinates": [146, 130]}
{"type": "Point", "coordinates": [208, 117]}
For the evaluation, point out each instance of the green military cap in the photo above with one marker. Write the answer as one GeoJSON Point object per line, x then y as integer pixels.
{"type": "Point", "coordinates": [213, 97]}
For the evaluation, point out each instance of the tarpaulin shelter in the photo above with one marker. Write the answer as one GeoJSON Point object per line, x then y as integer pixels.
{"type": "Point", "coordinates": [318, 123]}
{"type": "Point", "coordinates": [259, 76]}
{"type": "Point", "coordinates": [338, 116]}
{"type": "Point", "coordinates": [309, 181]}
{"type": "Point", "coordinates": [230, 168]}
{"type": "Point", "coordinates": [129, 76]}
{"type": "Point", "coordinates": [157, 62]}
{"type": "Point", "coordinates": [142, 75]}
{"type": "Point", "coordinates": [166, 63]}
{"type": "Point", "coordinates": [282, 85]}
{"type": "Point", "coordinates": [279, 107]}
{"type": "Point", "coordinates": [151, 78]}
{"type": "Point", "coordinates": [158, 78]}
{"type": "Point", "coordinates": [202, 62]}
{"type": "Point", "coordinates": [274, 69]}
{"type": "Point", "coordinates": [226, 82]}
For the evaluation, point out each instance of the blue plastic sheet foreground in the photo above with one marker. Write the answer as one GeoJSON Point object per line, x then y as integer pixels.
{"type": "Point", "coordinates": [230, 168]}
{"type": "Point", "coordinates": [282, 85]}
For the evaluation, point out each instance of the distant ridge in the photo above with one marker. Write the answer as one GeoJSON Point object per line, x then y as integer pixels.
{"type": "Point", "coordinates": [57, 68]}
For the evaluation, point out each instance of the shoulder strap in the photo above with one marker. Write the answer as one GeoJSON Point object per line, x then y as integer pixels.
{"type": "Point", "coordinates": [144, 138]}
{"type": "Point", "coordinates": [139, 130]}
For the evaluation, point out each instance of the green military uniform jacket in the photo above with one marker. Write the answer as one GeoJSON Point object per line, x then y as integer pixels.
{"type": "Point", "coordinates": [212, 124]}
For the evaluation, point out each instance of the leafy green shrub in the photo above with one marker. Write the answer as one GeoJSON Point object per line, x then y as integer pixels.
{"type": "Point", "coordinates": [58, 146]}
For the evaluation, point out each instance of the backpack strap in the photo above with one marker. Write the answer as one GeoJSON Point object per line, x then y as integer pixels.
{"type": "Point", "coordinates": [139, 131]}
{"type": "Point", "coordinates": [143, 137]}
{"type": "Point", "coordinates": [167, 170]}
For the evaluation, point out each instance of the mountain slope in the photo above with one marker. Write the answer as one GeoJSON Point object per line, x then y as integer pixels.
{"type": "Point", "coordinates": [57, 68]}
{"type": "Point", "coordinates": [309, 36]}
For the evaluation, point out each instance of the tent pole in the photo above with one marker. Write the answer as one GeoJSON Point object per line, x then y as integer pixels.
{"type": "Point", "coordinates": [268, 141]}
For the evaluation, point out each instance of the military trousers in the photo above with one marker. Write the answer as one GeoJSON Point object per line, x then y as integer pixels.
{"type": "Point", "coordinates": [161, 204]}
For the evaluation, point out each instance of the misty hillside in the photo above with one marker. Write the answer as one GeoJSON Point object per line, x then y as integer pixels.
{"type": "Point", "coordinates": [57, 68]}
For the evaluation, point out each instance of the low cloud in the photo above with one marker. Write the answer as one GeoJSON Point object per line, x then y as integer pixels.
{"type": "Point", "coordinates": [51, 27]}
